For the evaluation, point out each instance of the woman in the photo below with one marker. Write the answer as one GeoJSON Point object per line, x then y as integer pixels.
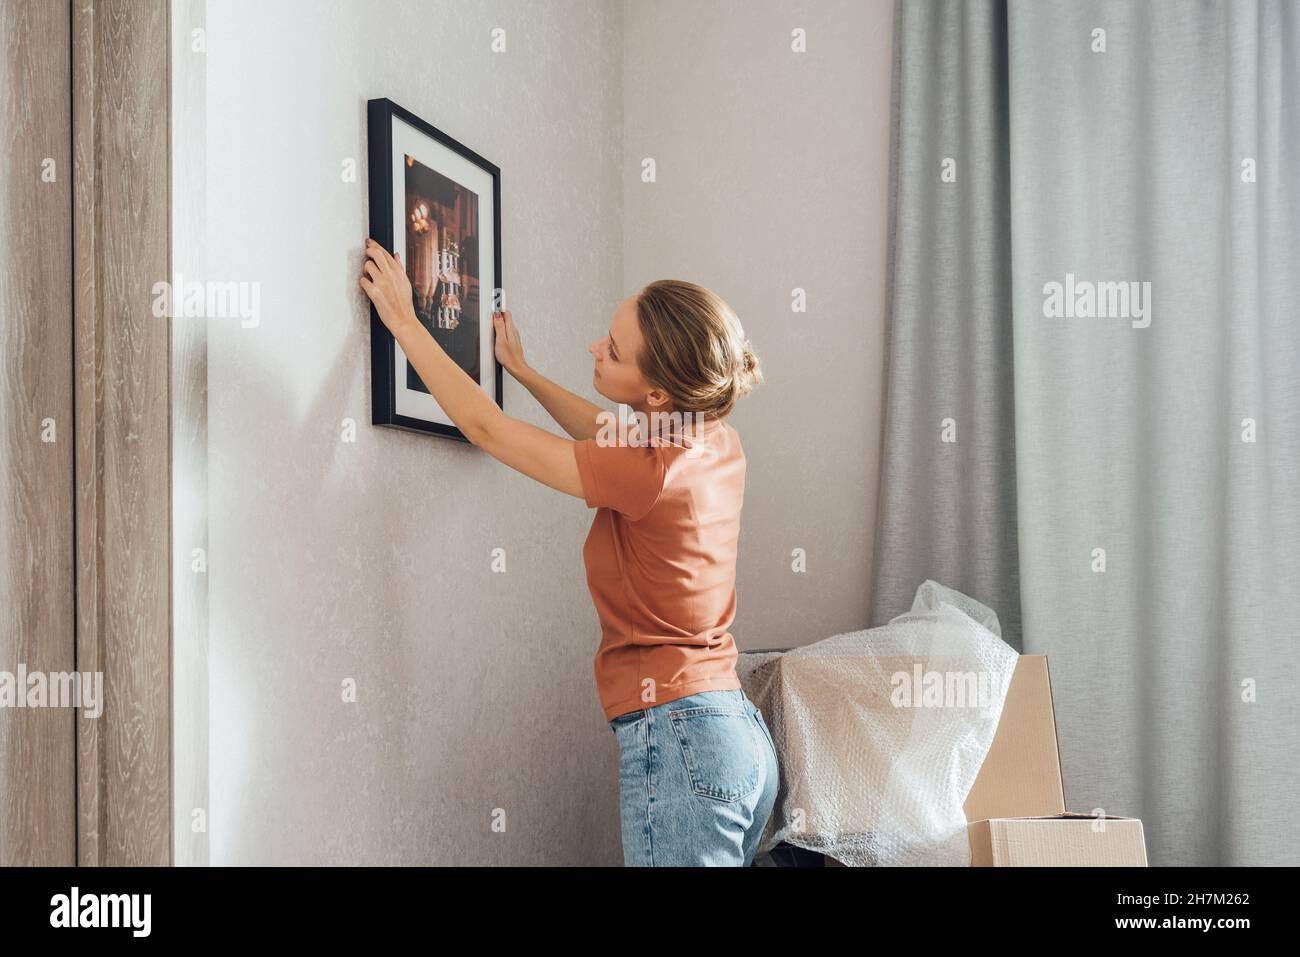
{"type": "Point", "coordinates": [697, 770]}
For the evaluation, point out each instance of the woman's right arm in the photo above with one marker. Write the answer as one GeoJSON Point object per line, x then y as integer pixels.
{"type": "Point", "coordinates": [571, 412]}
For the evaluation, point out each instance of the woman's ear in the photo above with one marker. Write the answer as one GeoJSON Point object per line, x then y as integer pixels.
{"type": "Point", "coordinates": [657, 397]}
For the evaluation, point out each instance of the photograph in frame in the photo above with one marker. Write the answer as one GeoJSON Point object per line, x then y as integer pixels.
{"type": "Point", "coordinates": [436, 205]}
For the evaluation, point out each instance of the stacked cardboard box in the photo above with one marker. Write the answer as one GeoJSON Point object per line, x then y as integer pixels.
{"type": "Point", "coordinates": [1015, 809]}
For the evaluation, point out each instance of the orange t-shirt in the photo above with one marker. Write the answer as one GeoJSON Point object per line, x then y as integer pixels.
{"type": "Point", "coordinates": [661, 564]}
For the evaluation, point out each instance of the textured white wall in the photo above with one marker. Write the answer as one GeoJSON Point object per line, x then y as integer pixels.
{"type": "Point", "coordinates": [370, 561]}
{"type": "Point", "coordinates": [772, 175]}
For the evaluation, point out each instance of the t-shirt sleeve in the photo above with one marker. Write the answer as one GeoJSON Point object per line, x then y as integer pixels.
{"type": "Point", "coordinates": [626, 478]}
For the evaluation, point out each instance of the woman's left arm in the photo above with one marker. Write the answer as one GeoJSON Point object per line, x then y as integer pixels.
{"type": "Point", "coordinates": [539, 454]}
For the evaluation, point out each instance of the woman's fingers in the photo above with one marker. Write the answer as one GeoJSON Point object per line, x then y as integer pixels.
{"type": "Point", "coordinates": [372, 269]}
{"type": "Point", "coordinates": [378, 253]}
{"type": "Point", "coordinates": [506, 330]}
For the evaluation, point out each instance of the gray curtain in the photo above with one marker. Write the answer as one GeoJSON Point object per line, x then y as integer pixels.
{"type": "Point", "coordinates": [1117, 479]}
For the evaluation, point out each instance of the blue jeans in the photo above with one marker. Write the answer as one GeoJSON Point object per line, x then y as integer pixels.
{"type": "Point", "coordinates": [697, 781]}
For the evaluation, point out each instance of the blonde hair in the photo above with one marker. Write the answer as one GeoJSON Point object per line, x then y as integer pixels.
{"type": "Point", "coordinates": [695, 348]}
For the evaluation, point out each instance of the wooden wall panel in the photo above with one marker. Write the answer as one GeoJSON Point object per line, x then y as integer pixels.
{"type": "Point", "coordinates": [37, 814]}
{"type": "Point", "coordinates": [121, 214]}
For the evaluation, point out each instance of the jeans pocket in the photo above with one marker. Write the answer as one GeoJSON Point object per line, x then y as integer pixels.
{"type": "Point", "coordinates": [720, 750]}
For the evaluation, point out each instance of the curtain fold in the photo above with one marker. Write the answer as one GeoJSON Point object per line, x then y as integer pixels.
{"type": "Point", "coordinates": [946, 495]}
{"type": "Point", "coordinates": [1107, 301]}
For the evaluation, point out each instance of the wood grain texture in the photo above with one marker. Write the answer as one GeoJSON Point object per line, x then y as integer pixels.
{"type": "Point", "coordinates": [37, 812]}
{"type": "Point", "coordinates": [121, 207]}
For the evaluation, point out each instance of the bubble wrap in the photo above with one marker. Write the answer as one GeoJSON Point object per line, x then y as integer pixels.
{"type": "Point", "coordinates": [880, 733]}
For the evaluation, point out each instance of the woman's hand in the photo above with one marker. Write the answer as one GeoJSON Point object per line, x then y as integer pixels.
{"type": "Point", "coordinates": [509, 350]}
{"type": "Point", "coordinates": [385, 282]}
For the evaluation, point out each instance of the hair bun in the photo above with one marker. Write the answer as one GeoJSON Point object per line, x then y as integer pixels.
{"type": "Point", "coordinates": [750, 375]}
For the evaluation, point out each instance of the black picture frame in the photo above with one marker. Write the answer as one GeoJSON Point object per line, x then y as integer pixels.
{"type": "Point", "coordinates": [407, 409]}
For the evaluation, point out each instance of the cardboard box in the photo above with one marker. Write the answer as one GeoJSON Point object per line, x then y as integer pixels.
{"type": "Point", "coordinates": [1016, 807]}
{"type": "Point", "coordinates": [1021, 774]}
{"type": "Point", "coordinates": [1062, 840]}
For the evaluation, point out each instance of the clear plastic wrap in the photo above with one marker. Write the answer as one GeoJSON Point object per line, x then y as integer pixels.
{"type": "Point", "coordinates": [880, 733]}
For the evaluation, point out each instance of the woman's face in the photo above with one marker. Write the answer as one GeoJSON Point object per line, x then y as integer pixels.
{"type": "Point", "coordinates": [617, 375]}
